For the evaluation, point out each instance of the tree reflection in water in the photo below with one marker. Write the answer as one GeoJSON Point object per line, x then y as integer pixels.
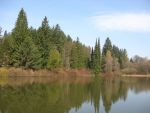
{"type": "Point", "coordinates": [53, 95]}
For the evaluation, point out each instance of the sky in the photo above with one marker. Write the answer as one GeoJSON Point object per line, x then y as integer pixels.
{"type": "Point", "coordinates": [125, 22]}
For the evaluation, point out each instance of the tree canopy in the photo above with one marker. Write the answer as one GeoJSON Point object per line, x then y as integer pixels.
{"type": "Point", "coordinates": [49, 47]}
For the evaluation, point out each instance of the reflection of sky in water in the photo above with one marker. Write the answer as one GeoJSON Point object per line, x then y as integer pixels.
{"type": "Point", "coordinates": [135, 103]}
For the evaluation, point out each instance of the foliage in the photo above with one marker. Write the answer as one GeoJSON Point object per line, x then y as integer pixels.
{"type": "Point", "coordinates": [79, 55]}
{"type": "Point", "coordinates": [108, 62]}
{"type": "Point", "coordinates": [96, 58]}
{"type": "Point", "coordinates": [43, 41]}
{"type": "Point", "coordinates": [54, 59]}
{"type": "Point", "coordinates": [49, 47]}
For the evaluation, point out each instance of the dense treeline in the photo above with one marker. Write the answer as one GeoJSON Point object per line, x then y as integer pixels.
{"type": "Point", "coordinates": [46, 47]}
{"type": "Point", "coordinates": [111, 60]}
{"type": "Point", "coordinates": [49, 48]}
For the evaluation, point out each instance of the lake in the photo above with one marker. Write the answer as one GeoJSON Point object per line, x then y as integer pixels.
{"type": "Point", "coordinates": [74, 95]}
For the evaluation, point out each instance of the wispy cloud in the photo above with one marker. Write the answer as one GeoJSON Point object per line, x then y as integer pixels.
{"type": "Point", "coordinates": [135, 22]}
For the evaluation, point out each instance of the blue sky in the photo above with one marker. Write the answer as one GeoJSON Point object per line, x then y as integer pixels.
{"type": "Point", "coordinates": [126, 22]}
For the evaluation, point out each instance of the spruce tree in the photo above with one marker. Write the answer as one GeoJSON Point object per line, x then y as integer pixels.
{"type": "Point", "coordinates": [19, 33]}
{"type": "Point", "coordinates": [96, 58]}
{"type": "Point", "coordinates": [24, 53]}
{"type": "Point", "coordinates": [43, 41]}
{"type": "Point", "coordinates": [30, 54]}
{"type": "Point", "coordinates": [92, 59]}
{"type": "Point", "coordinates": [107, 47]}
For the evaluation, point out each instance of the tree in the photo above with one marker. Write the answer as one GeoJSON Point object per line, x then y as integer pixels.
{"type": "Point", "coordinates": [58, 38]}
{"type": "Point", "coordinates": [31, 57]}
{"type": "Point", "coordinates": [19, 34]}
{"type": "Point", "coordinates": [54, 59]}
{"type": "Point", "coordinates": [116, 65]}
{"type": "Point", "coordinates": [5, 50]}
{"type": "Point", "coordinates": [67, 53]}
{"type": "Point", "coordinates": [107, 47]}
{"type": "Point", "coordinates": [24, 52]}
{"type": "Point", "coordinates": [79, 55]}
{"type": "Point", "coordinates": [43, 41]}
{"type": "Point", "coordinates": [123, 58]}
{"type": "Point", "coordinates": [115, 52]}
{"type": "Point", "coordinates": [96, 58]}
{"type": "Point", "coordinates": [108, 62]}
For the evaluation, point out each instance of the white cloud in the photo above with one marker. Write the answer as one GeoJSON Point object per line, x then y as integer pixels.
{"type": "Point", "coordinates": [137, 22]}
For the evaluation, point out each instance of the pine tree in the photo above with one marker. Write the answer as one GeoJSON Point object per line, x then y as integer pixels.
{"type": "Point", "coordinates": [96, 58]}
{"type": "Point", "coordinates": [5, 50]}
{"type": "Point", "coordinates": [74, 57]}
{"type": "Point", "coordinates": [123, 58]}
{"type": "Point", "coordinates": [20, 32]}
{"type": "Point", "coordinates": [92, 59]}
{"type": "Point", "coordinates": [107, 47]}
{"type": "Point", "coordinates": [31, 57]}
{"type": "Point", "coordinates": [79, 55]}
{"type": "Point", "coordinates": [24, 53]}
{"type": "Point", "coordinates": [58, 38]}
{"type": "Point", "coordinates": [67, 53]}
{"type": "Point", "coordinates": [43, 41]}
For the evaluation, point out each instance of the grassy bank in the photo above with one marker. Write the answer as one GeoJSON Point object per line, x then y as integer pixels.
{"type": "Point", "coordinates": [43, 72]}
{"type": "Point", "coordinates": [12, 72]}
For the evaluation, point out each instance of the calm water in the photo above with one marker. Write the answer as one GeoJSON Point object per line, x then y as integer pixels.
{"type": "Point", "coordinates": [74, 95]}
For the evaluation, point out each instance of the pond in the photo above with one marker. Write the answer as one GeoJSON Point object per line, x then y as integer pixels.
{"type": "Point", "coordinates": [74, 95]}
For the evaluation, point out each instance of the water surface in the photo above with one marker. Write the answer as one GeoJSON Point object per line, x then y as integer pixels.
{"type": "Point", "coordinates": [74, 95]}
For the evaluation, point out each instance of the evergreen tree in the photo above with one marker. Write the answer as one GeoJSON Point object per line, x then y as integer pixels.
{"type": "Point", "coordinates": [107, 47]}
{"type": "Point", "coordinates": [92, 59]}
{"type": "Point", "coordinates": [74, 57]}
{"type": "Point", "coordinates": [96, 58]}
{"type": "Point", "coordinates": [43, 41]}
{"type": "Point", "coordinates": [19, 33]}
{"type": "Point", "coordinates": [123, 59]}
{"type": "Point", "coordinates": [79, 55]}
{"type": "Point", "coordinates": [58, 38]}
{"type": "Point", "coordinates": [5, 50]}
{"type": "Point", "coordinates": [30, 55]}
{"type": "Point", "coordinates": [67, 52]}
{"type": "Point", "coordinates": [24, 52]}
{"type": "Point", "coordinates": [115, 52]}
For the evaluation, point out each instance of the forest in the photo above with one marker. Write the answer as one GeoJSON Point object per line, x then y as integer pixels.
{"type": "Point", "coordinates": [48, 47]}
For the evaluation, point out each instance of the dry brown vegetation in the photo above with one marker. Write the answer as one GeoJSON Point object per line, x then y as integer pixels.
{"type": "Point", "coordinates": [138, 66]}
{"type": "Point", "coordinates": [43, 72]}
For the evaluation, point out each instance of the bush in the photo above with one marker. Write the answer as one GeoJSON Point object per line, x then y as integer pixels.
{"type": "Point", "coordinates": [130, 70]}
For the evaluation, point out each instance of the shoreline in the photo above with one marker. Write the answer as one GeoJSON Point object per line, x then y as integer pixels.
{"type": "Point", "coordinates": [135, 75]}
{"type": "Point", "coordinates": [18, 72]}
